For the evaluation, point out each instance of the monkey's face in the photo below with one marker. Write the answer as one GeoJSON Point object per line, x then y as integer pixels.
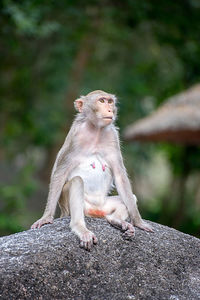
{"type": "Point", "coordinates": [98, 107]}
{"type": "Point", "coordinates": [104, 107]}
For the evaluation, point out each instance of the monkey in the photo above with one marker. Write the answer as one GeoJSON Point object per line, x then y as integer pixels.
{"type": "Point", "coordinates": [87, 167]}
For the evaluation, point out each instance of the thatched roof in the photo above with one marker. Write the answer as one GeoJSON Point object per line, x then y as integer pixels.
{"type": "Point", "coordinates": [178, 120]}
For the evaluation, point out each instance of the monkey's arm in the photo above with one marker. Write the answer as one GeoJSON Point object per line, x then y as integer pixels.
{"type": "Point", "coordinates": [61, 169]}
{"type": "Point", "coordinates": [125, 192]}
{"type": "Point", "coordinates": [124, 187]}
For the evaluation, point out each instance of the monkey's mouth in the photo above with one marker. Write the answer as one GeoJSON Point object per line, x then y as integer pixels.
{"type": "Point", "coordinates": [109, 118]}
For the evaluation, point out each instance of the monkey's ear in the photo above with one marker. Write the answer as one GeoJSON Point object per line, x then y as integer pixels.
{"type": "Point", "coordinates": [78, 104]}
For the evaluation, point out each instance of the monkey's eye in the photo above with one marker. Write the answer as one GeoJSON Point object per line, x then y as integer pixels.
{"type": "Point", "coordinates": [101, 100]}
{"type": "Point", "coordinates": [110, 101]}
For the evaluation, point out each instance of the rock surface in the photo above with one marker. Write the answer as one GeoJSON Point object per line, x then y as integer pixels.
{"type": "Point", "coordinates": [47, 263]}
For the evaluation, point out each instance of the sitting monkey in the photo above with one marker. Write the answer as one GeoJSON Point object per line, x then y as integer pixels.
{"type": "Point", "coordinates": [86, 166]}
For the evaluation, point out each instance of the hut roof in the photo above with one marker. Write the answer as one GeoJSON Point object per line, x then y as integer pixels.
{"type": "Point", "coordinates": [177, 120]}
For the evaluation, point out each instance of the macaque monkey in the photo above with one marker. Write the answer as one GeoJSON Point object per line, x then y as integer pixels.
{"type": "Point", "coordinates": [86, 167]}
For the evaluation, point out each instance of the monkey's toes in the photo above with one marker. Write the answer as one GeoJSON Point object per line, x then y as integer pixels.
{"type": "Point", "coordinates": [128, 229]}
{"type": "Point", "coordinates": [88, 240]}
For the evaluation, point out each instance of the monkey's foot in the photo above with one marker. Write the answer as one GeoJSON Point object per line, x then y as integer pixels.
{"type": "Point", "coordinates": [144, 226]}
{"type": "Point", "coordinates": [42, 221]}
{"type": "Point", "coordinates": [128, 229]}
{"type": "Point", "coordinates": [87, 240]}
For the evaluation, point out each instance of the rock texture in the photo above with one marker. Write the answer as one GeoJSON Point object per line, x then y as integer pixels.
{"type": "Point", "coordinates": [47, 263]}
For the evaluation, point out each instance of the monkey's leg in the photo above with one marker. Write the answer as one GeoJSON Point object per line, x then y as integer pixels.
{"type": "Point", "coordinates": [118, 215]}
{"type": "Point", "coordinates": [64, 201]}
{"type": "Point", "coordinates": [76, 208]}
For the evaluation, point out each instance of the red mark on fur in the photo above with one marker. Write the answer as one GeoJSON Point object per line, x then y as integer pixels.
{"type": "Point", "coordinates": [103, 168]}
{"type": "Point", "coordinates": [93, 165]}
{"type": "Point", "coordinates": [96, 213]}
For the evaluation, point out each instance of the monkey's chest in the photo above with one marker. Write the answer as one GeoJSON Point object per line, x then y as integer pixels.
{"type": "Point", "coordinates": [96, 175]}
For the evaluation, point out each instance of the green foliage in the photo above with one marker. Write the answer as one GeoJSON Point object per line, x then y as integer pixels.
{"type": "Point", "coordinates": [144, 51]}
{"type": "Point", "coordinates": [27, 17]}
{"type": "Point", "coordinates": [183, 159]}
{"type": "Point", "coordinates": [13, 200]}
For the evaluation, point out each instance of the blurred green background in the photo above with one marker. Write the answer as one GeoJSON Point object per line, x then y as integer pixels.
{"type": "Point", "coordinates": [52, 52]}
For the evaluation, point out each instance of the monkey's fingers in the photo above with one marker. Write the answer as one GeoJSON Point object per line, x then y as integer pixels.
{"type": "Point", "coordinates": [144, 226]}
{"type": "Point", "coordinates": [35, 225]}
{"type": "Point", "coordinates": [39, 223]}
{"type": "Point", "coordinates": [149, 229]}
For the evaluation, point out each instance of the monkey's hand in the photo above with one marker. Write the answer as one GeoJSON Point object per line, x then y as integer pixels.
{"type": "Point", "coordinates": [42, 221]}
{"type": "Point", "coordinates": [143, 225]}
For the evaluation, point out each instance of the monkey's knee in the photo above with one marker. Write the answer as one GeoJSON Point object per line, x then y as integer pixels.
{"type": "Point", "coordinates": [77, 180]}
{"type": "Point", "coordinates": [120, 212]}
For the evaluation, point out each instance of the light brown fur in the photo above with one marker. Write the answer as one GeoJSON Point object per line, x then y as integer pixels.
{"type": "Point", "coordinates": [86, 165]}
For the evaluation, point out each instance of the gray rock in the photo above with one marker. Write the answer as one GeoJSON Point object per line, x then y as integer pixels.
{"type": "Point", "coordinates": [47, 263]}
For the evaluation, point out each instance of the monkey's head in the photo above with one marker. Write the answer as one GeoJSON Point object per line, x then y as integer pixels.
{"type": "Point", "coordinates": [98, 107]}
